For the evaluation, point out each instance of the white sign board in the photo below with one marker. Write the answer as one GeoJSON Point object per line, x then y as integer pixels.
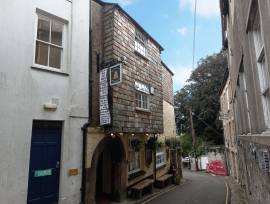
{"type": "Point", "coordinates": [142, 87]}
{"type": "Point", "coordinates": [104, 111]}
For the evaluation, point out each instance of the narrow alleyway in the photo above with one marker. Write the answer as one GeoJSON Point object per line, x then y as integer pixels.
{"type": "Point", "coordinates": [200, 188]}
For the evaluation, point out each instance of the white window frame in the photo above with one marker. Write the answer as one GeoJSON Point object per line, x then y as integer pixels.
{"type": "Point", "coordinates": [130, 150]}
{"type": "Point", "coordinates": [141, 94]}
{"type": "Point", "coordinates": [64, 47]}
{"type": "Point", "coordinates": [140, 44]}
{"type": "Point", "coordinates": [161, 154]}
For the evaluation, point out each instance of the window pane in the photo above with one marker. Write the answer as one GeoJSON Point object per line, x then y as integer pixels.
{"type": "Point", "coordinates": [138, 100]}
{"type": "Point", "coordinates": [56, 35]}
{"type": "Point", "coordinates": [43, 31]}
{"type": "Point", "coordinates": [41, 54]}
{"type": "Point", "coordinates": [55, 57]}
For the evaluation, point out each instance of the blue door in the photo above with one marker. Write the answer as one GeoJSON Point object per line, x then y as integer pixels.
{"type": "Point", "coordinates": [43, 182]}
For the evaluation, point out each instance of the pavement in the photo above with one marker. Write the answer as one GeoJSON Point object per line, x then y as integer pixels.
{"type": "Point", "coordinates": [199, 188]}
{"type": "Point", "coordinates": [237, 194]}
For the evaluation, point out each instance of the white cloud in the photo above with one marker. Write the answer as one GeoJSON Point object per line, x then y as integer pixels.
{"type": "Point", "coordinates": [205, 8]}
{"type": "Point", "coordinates": [122, 2]}
{"type": "Point", "coordinates": [183, 31]}
{"type": "Point", "coordinates": [181, 74]}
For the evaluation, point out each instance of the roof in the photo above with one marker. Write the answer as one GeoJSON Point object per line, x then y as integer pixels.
{"type": "Point", "coordinates": [164, 65]}
{"type": "Point", "coordinates": [132, 20]}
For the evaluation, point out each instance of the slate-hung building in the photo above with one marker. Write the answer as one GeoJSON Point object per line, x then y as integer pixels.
{"type": "Point", "coordinates": [44, 99]}
{"type": "Point", "coordinates": [246, 36]}
{"type": "Point", "coordinates": [127, 105]}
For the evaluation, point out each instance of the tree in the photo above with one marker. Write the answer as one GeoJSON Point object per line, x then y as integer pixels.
{"type": "Point", "coordinates": [201, 94]}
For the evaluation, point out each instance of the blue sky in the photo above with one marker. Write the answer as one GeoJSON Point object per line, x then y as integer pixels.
{"type": "Point", "coordinates": [170, 22]}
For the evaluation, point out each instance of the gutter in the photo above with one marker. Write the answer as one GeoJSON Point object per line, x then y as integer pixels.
{"type": "Point", "coordinates": [86, 125]}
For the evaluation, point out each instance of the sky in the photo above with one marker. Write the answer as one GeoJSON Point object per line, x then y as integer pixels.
{"type": "Point", "coordinates": [170, 22]}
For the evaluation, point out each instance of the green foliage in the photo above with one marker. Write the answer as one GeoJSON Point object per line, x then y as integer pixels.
{"type": "Point", "coordinates": [187, 145]}
{"type": "Point", "coordinates": [173, 143]}
{"type": "Point", "coordinates": [152, 143]}
{"type": "Point", "coordinates": [136, 144]}
{"type": "Point", "coordinates": [201, 95]}
{"type": "Point", "coordinates": [160, 144]}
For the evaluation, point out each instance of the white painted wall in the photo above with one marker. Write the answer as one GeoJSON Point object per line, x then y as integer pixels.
{"type": "Point", "coordinates": [24, 90]}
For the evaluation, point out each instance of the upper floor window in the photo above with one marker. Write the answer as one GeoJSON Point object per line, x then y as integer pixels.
{"type": "Point", "coordinates": [49, 42]}
{"type": "Point", "coordinates": [140, 44]}
{"type": "Point", "coordinates": [263, 73]}
{"type": "Point", "coordinates": [142, 101]}
{"type": "Point", "coordinates": [142, 96]}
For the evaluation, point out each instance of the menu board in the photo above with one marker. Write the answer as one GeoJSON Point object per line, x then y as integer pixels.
{"type": "Point", "coordinates": [105, 116]}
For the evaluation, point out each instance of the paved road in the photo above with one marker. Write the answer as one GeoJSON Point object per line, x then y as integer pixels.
{"type": "Point", "coordinates": [200, 188]}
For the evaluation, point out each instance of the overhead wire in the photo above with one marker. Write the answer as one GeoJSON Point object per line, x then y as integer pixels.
{"type": "Point", "coordinates": [194, 34]}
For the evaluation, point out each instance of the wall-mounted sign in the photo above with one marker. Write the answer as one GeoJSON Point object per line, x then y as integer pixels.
{"type": "Point", "coordinates": [73, 172]}
{"type": "Point", "coordinates": [104, 111]}
{"type": "Point", "coordinates": [115, 74]}
{"type": "Point", "coordinates": [142, 87]}
{"type": "Point", "coordinates": [44, 172]}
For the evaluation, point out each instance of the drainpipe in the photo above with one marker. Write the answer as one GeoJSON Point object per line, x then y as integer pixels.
{"type": "Point", "coordinates": [86, 125]}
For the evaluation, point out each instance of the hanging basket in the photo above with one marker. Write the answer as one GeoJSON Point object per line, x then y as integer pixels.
{"type": "Point", "coordinates": [136, 144]}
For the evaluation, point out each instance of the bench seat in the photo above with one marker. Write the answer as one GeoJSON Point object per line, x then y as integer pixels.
{"type": "Point", "coordinates": [164, 180]}
{"type": "Point", "coordinates": [139, 189]}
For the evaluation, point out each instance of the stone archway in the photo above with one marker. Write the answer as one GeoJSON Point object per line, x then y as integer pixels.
{"type": "Point", "coordinates": [113, 152]}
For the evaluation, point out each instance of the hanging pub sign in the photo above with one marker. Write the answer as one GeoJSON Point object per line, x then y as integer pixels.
{"type": "Point", "coordinates": [104, 111]}
{"type": "Point", "coordinates": [116, 74]}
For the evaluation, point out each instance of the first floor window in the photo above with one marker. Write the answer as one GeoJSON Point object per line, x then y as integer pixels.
{"type": "Point", "coordinates": [49, 42]}
{"type": "Point", "coordinates": [160, 159]}
{"type": "Point", "coordinates": [142, 101]}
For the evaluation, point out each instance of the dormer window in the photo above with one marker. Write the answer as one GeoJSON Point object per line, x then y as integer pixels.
{"type": "Point", "coordinates": [140, 43]}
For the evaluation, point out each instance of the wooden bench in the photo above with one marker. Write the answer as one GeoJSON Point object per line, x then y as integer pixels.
{"type": "Point", "coordinates": [164, 180]}
{"type": "Point", "coordinates": [141, 188]}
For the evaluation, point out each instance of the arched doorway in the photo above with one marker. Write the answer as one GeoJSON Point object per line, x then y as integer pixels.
{"type": "Point", "coordinates": [108, 171]}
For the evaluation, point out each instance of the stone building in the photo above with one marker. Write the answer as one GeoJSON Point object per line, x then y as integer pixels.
{"type": "Point", "coordinates": [44, 66]}
{"type": "Point", "coordinates": [227, 116]}
{"type": "Point", "coordinates": [164, 156]}
{"type": "Point", "coordinates": [246, 37]}
{"type": "Point", "coordinates": [126, 107]}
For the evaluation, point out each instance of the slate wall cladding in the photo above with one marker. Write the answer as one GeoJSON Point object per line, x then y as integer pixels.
{"type": "Point", "coordinates": [167, 81]}
{"type": "Point", "coordinates": [119, 39]}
